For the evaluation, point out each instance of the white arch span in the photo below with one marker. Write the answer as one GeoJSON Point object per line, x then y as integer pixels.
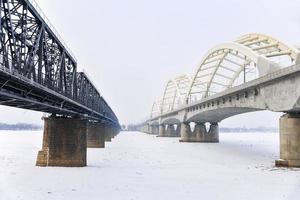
{"type": "Point", "coordinates": [175, 92]}
{"type": "Point", "coordinates": [222, 65]}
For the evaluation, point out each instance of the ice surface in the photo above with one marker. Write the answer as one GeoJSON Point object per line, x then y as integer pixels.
{"type": "Point", "coordinates": [139, 166]}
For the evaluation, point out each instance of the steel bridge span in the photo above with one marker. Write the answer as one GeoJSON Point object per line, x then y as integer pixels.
{"type": "Point", "coordinates": [255, 72]}
{"type": "Point", "coordinates": [39, 72]}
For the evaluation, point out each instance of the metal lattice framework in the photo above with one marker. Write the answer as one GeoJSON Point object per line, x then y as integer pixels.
{"type": "Point", "coordinates": [227, 65]}
{"type": "Point", "coordinates": [175, 93]}
{"type": "Point", "coordinates": [234, 63]}
{"type": "Point", "coordinates": [38, 71]}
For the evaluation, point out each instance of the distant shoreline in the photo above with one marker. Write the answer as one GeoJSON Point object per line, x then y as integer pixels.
{"type": "Point", "coordinates": [20, 127]}
{"type": "Point", "coordinates": [247, 130]}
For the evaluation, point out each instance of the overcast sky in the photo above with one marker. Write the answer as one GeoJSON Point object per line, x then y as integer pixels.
{"type": "Point", "coordinates": [130, 48]}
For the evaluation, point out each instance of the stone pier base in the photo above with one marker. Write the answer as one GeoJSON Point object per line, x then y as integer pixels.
{"type": "Point", "coordinates": [161, 130]}
{"type": "Point", "coordinates": [64, 143]}
{"type": "Point", "coordinates": [154, 130]}
{"type": "Point", "coordinates": [289, 141]}
{"type": "Point", "coordinates": [178, 130]}
{"type": "Point", "coordinates": [170, 132]}
{"type": "Point", "coordinates": [108, 133]}
{"type": "Point", "coordinates": [200, 134]}
{"type": "Point", "coordinates": [113, 132]}
{"type": "Point", "coordinates": [95, 135]}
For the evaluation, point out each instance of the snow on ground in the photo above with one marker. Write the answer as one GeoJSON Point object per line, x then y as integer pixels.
{"type": "Point", "coordinates": [140, 166]}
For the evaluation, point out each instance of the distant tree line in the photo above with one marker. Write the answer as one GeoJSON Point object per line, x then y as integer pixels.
{"type": "Point", "coordinates": [245, 129]}
{"type": "Point", "coordinates": [20, 126]}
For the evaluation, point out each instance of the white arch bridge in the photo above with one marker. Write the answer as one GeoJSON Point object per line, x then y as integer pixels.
{"type": "Point", "coordinates": [255, 72]}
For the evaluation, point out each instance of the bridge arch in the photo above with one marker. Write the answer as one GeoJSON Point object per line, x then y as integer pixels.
{"type": "Point", "coordinates": [171, 120]}
{"type": "Point", "coordinates": [222, 65]}
{"type": "Point", "coordinates": [156, 109]}
{"type": "Point", "coordinates": [175, 92]}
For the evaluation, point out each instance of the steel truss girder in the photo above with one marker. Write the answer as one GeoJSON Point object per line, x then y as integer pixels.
{"type": "Point", "coordinates": [38, 72]}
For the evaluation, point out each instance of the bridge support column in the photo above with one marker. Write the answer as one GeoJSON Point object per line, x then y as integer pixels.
{"type": "Point", "coordinates": [147, 129]}
{"type": "Point", "coordinates": [161, 130]}
{"type": "Point", "coordinates": [108, 133]}
{"type": "Point", "coordinates": [185, 131]}
{"type": "Point", "coordinates": [289, 141]}
{"type": "Point", "coordinates": [156, 130]}
{"type": "Point", "coordinates": [213, 133]}
{"type": "Point", "coordinates": [113, 132]}
{"type": "Point", "coordinates": [201, 135]}
{"type": "Point", "coordinates": [171, 132]}
{"type": "Point", "coordinates": [178, 130]}
{"type": "Point", "coordinates": [64, 143]}
{"type": "Point", "coordinates": [152, 129]}
{"type": "Point", "coordinates": [95, 135]}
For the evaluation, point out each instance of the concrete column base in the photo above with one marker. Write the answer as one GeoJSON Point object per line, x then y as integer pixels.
{"type": "Point", "coordinates": [289, 141]}
{"type": "Point", "coordinates": [64, 143]}
{"type": "Point", "coordinates": [108, 133]}
{"type": "Point", "coordinates": [170, 132]}
{"type": "Point", "coordinates": [95, 135]}
{"type": "Point", "coordinates": [178, 130]}
{"type": "Point", "coordinates": [113, 132]}
{"type": "Point", "coordinates": [185, 131]}
{"type": "Point", "coordinates": [201, 135]}
{"type": "Point", "coordinates": [161, 130]}
{"type": "Point", "coordinates": [154, 130]}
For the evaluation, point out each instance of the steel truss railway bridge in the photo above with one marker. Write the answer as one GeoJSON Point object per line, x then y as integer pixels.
{"type": "Point", "coordinates": [255, 72]}
{"type": "Point", "coordinates": [39, 72]}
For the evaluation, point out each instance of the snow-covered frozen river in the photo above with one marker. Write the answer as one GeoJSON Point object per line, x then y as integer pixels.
{"type": "Point", "coordinates": [139, 166]}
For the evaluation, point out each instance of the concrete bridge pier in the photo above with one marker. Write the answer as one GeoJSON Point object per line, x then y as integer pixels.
{"type": "Point", "coordinates": [213, 133]}
{"type": "Point", "coordinates": [161, 130]}
{"type": "Point", "coordinates": [178, 129]}
{"type": "Point", "coordinates": [185, 131]}
{"type": "Point", "coordinates": [95, 135]}
{"type": "Point", "coordinates": [149, 129]}
{"type": "Point", "coordinates": [200, 134]}
{"type": "Point", "coordinates": [289, 125]}
{"type": "Point", "coordinates": [108, 133]}
{"type": "Point", "coordinates": [154, 129]}
{"type": "Point", "coordinates": [64, 142]}
{"type": "Point", "coordinates": [171, 132]}
{"type": "Point", "coordinates": [115, 131]}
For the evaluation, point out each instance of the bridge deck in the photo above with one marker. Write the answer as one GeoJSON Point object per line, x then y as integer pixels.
{"type": "Point", "coordinates": [287, 71]}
